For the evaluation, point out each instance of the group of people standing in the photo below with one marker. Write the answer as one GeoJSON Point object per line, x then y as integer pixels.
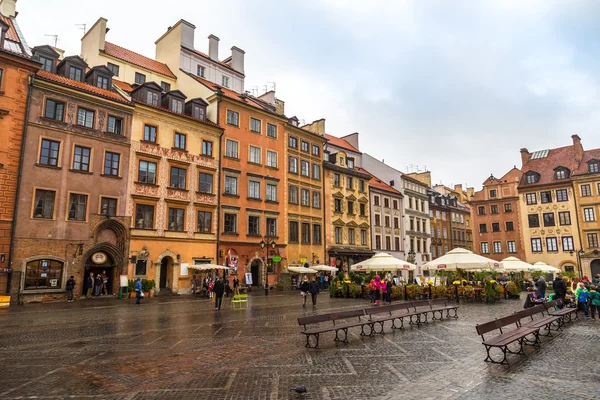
{"type": "Point", "coordinates": [586, 294]}
{"type": "Point", "coordinates": [380, 289]}
{"type": "Point", "coordinates": [311, 288]}
{"type": "Point", "coordinates": [98, 285]}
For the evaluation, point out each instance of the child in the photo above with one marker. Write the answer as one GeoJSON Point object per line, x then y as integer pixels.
{"type": "Point", "coordinates": [594, 297]}
{"type": "Point", "coordinates": [581, 294]}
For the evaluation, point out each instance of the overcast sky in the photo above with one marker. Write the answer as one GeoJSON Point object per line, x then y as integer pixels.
{"type": "Point", "coordinates": [457, 87]}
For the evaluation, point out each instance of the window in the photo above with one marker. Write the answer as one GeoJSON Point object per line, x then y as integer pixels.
{"type": "Point", "coordinates": [75, 73]}
{"type": "Point", "coordinates": [588, 215]}
{"type": "Point", "coordinates": [493, 193]}
{"type": "Point", "coordinates": [111, 163]}
{"type": "Point", "coordinates": [592, 240]}
{"type": "Point", "coordinates": [271, 227]}
{"type": "Point", "coordinates": [316, 150]}
{"type": "Point", "coordinates": [361, 185]}
{"type": "Point", "coordinates": [534, 220]}
{"type": "Point", "coordinates": [81, 158]}
{"type": "Point", "coordinates": [593, 167]}
{"type": "Point", "coordinates": [394, 204]}
{"type": "Point", "coordinates": [77, 207]}
{"type": "Point", "coordinates": [445, 233]}
{"type": "Point", "coordinates": [305, 197]}
{"type": "Point", "coordinates": [147, 172]}
{"type": "Point", "coordinates": [166, 87]}
{"type": "Point", "coordinates": [180, 141]}
{"type": "Point", "coordinates": [205, 184]}
{"type": "Point", "coordinates": [254, 190]}
{"type": "Point", "coordinates": [176, 106]}
{"type": "Point", "coordinates": [255, 125]}
{"type": "Point", "coordinates": [293, 167]}
{"type": "Point", "coordinates": [198, 112]}
{"type": "Point", "coordinates": [140, 79]}
{"type": "Point", "coordinates": [548, 219]}
{"type": "Point", "coordinates": [561, 174]}
{"type": "Point", "coordinates": [207, 148]}
{"type": "Point", "coordinates": [481, 210]}
{"type": "Point", "coordinates": [485, 249]}
{"type": "Point", "coordinates": [43, 274]}
{"type": "Point", "coordinates": [152, 98]}
{"type": "Point", "coordinates": [363, 237]}
{"type": "Point", "coordinates": [271, 130]}
{"type": "Point", "coordinates": [271, 192]}
{"type": "Point", "coordinates": [551, 244]}
{"type": "Point", "coordinates": [536, 245]}
{"type": "Point", "coordinates": [562, 195]}
{"type": "Point", "coordinates": [144, 216]}
{"type": "Point", "coordinates": [511, 245]}
{"type": "Point", "coordinates": [304, 168]}
{"type": "Point", "coordinates": [510, 226]}
{"type": "Point", "coordinates": [114, 125]}
{"type": "Point", "coordinates": [200, 71]}
{"type": "Point", "coordinates": [351, 236]}
{"type": "Point", "coordinates": [85, 118]}
{"type": "Point", "coordinates": [113, 68]}
{"type": "Point", "coordinates": [293, 194]}
{"type": "Point", "coordinates": [231, 149]}
{"type": "Point", "coordinates": [305, 233]}
{"type": "Point", "coordinates": [176, 219]}
{"type": "Point", "coordinates": [229, 223]}
{"type": "Point", "coordinates": [271, 159]}
{"type": "Point", "coordinates": [350, 163]}
{"type": "Point", "coordinates": [336, 179]}
{"type": "Point", "coordinates": [293, 142]}
{"type": "Point", "coordinates": [482, 228]}
{"type": "Point", "coordinates": [108, 206]}
{"type": "Point", "coordinates": [316, 200]}
{"type": "Point", "coordinates": [150, 133]}
{"type": "Point", "coordinates": [316, 234]}
{"type": "Point", "coordinates": [494, 209]}
{"type": "Point", "coordinates": [396, 223]}
{"type": "Point", "coordinates": [204, 221]}
{"type": "Point", "coordinates": [47, 63]}
{"type": "Point", "coordinates": [497, 247]}
{"type": "Point", "coordinates": [231, 185]}
{"type": "Point", "coordinates": [350, 207]}
{"type": "Point", "coordinates": [531, 178]}
{"type": "Point", "coordinates": [233, 118]}
{"type": "Point", "coordinates": [102, 82]}
{"type": "Point", "coordinates": [304, 146]}
{"type": "Point", "coordinates": [546, 197]}
{"type": "Point", "coordinates": [586, 190]}
{"type": "Point", "coordinates": [508, 208]}
{"type": "Point", "coordinates": [225, 81]}
{"type": "Point", "coordinates": [349, 182]}
{"type": "Point", "coordinates": [293, 225]}
{"type": "Point", "coordinates": [362, 210]}
{"type": "Point", "coordinates": [564, 218]}
{"type": "Point", "coordinates": [387, 221]}
{"type": "Point", "coordinates": [253, 225]}
{"type": "Point", "coordinates": [254, 155]}
{"type": "Point", "coordinates": [495, 227]}
{"type": "Point", "coordinates": [377, 242]}
{"type": "Point", "coordinates": [341, 160]}
{"type": "Point", "coordinates": [44, 204]}
{"type": "Point", "coordinates": [568, 244]}
{"type": "Point", "coordinates": [531, 198]}
{"type": "Point", "coordinates": [316, 171]}
{"type": "Point", "coordinates": [337, 204]}
{"type": "Point", "coordinates": [54, 110]}
{"type": "Point", "coordinates": [178, 176]}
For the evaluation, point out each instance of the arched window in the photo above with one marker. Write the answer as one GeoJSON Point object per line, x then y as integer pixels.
{"type": "Point", "coordinates": [44, 274]}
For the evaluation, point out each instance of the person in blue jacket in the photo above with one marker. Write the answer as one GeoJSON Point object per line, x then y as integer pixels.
{"type": "Point", "coordinates": [138, 291]}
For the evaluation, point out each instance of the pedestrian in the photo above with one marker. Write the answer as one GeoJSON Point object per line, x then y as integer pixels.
{"type": "Point", "coordinates": [70, 286]}
{"type": "Point", "coordinates": [388, 284]}
{"type": "Point", "coordinates": [594, 298]}
{"type": "Point", "coordinates": [581, 294]}
{"type": "Point", "coordinates": [236, 285]}
{"type": "Point", "coordinates": [194, 284]}
{"type": "Point", "coordinates": [211, 286]}
{"type": "Point", "coordinates": [227, 289]}
{"type": "Point", "coordinates": [138, 291]}
{"type": "Point", "coordinates": [327, 281]}
{"type": "Point", "coordinates": [304, 288]}
{"type": "Point", "coordinates": [313, 288]}
{"type": "Point", "coordinates": [560, 288]}
{"type": "Point", "coordinates": [204, 287]}
{"type": "Point", "coordinates": [97, 285]}
{"type": "Point", "coordinates": [383, 287]}
{"type": "Point", "coordinates": [586, 282]}
{"type": "Point", "coordinates": [104, 283]}
{"type": "Point", "coordinates": [90, 285]}
{"type": "Point", "coordinates": [596, 280]}
{"type": "Point", "coordinates": [218, 288]}
{"type": "Point", "coordinates": [374, 289]}
{"type": "Point", "coordinates": [541, 287]}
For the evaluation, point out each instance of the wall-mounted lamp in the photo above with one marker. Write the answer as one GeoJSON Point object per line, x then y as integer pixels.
{"type": "Point", "coordinates": [178, 257]}
{"type": "Point", "coordinates": [2, 257]}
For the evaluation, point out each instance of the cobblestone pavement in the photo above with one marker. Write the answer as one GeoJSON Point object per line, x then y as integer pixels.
{"type": "Point", "coordinates": [180, 348]}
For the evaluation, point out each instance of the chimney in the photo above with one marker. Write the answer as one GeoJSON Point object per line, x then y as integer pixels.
{"type": "Point", "coordinates": [280, 107]}
{"type": "Point", "coordinates": [577, 147]}
{"type": "Point", "coordinates": [213, 48]}
{"type": "Point", "coordinates": [317, 126]}
{"type": "Point", "coordinates": [8, 8]}
{"type": "Point", "coordinates": [94, 38]}
{"type": "Point", "coordinates": [237, 59]}
{"type": "Point", "coordinates": [458, 188]}
{"type": "Point", "coordinates": [525, 155]}
{"type": "Point", "coordinates": [352, 139]}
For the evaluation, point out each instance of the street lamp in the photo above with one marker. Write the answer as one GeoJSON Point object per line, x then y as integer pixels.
{"type": "Point", "coordinates": [264, 244]}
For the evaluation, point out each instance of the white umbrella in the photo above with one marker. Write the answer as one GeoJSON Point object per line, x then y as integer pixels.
{"type": "Point", "coordinates": [542, 266]}
{"type": "Point", "coordinates": [302, 270]}
{"type": "Point", "coordinates": [206, 267]}
{"type": "Point", "coordinates": [462, 259]}
{"type": "Point", "coordinates": [383, 262]}
{"type": "Point", "coordinates": [513, 264]}
{"type": "Point", "coordinates": [324, 268]}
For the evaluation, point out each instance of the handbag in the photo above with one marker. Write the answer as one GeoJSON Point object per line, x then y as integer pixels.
{"type": "Point", "coordinates": [141, 294]}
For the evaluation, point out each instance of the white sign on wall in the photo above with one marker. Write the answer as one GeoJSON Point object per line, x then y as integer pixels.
{"type": "Point", "coordinates": [184, 269]}
{"type": "Point", "coordinates": [248, 278]}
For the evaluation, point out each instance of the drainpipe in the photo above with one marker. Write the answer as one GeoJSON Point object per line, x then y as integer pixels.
{"type": "Point", "coordinates": [580, 239]}
{"type": "Point", "coordinates": [219, 180]}
{"type": "Point", "coordinates": [18, 189]}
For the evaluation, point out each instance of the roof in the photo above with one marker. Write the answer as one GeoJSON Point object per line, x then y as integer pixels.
{"type": "Point", "coordinates": [14, 40]}
{"type": "Point", "coordinates": [588, 155]}
{"type": "Point", "coordinates": [559, 157]}
{"type": "Point", "coordinates": [123, 85]}
{"type": "Point", "coordinates": [379, 184]}
{"type": "Point", "coordinates": [137, 59]}
{"type": "Point", "coordinates": [82, 86]}
{"type": "Point", "coordinates": [338, 142]}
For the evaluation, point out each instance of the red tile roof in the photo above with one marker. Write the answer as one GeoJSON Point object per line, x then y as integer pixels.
{"type": "Point", "coordinates": [123, 85]}
{"type": "Point", "coordinates": [378, 184]}
{"type": "Point", "coordinates": [137, 59]}
{"type": "Point", "coordinates": [82, 86]}
{"type": "Point", "coordinates": [588, 155]}
{"type": "Point", "coordinates": [11, 33]}
{"type": "Point", "coordinates": [338, 142]}
{"type": "Point", "coordinates": [562, 156]}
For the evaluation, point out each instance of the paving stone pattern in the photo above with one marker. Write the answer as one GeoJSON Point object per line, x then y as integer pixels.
{"type": "Point", "coordinates": [180, 348]}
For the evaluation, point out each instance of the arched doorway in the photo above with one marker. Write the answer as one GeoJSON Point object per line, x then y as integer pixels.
{"type": "Point", "coordinates": [595, 267]}
{"type": "Point", "coordinates": [166, 273]}
{"type": "Point", "coordinates": [255, 269]}
{"type": "Point", "coordinates": [99, 263]}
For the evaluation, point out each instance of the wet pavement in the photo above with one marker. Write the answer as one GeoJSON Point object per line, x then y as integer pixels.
{"type": "Point", "coordinates": [180, 348]}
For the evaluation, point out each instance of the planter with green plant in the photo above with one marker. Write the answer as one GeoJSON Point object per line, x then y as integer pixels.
{"type": "Point", "coordinates": [513, 290]}
{"type": "Point", "coordinates": [490, 291]}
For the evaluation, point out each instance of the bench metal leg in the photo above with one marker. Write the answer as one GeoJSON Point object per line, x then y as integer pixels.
{"type": "Point", "coordinates": [381, 325]}
{"type": "Point", "coordinates": [401, 319]}
{"type": "Point", "coordinates": [455, 313]}
{"type": "Point", "coordinates": [345, 339]}
{"type": "Point", "coordinates": [535, 342]}
{"type": "Point", "coordinates": [316, 335]}
{"type": "Point", "coordinates": [489, 356]}
{"type": "Point", "coordinates": [362, 329]}
{"type": "Point", "coordinates": [424, 315]}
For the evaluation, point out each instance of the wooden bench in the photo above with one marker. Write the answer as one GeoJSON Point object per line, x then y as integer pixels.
{"type": "Point", "coordinates": [313, 325]}
{"type": "Point", "coordinates": [241, 299]}
{"type": "Point", "coordinates": [441, 305]}
{"type": "Point", "coordinates": [518, 334]}
{"type": "Point", "coordinates": [565, 313]}
{"type": "Point", "coordinates": [544, 321]}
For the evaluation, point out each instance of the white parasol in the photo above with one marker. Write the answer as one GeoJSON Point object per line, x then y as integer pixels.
{"type": "Point", "coordinates": [302, 270]}
{"type": "Point", "coordinates": [462, 259]}
{"type": "Point", "coordinates": [513, 264]}
{"type": "Point", "coordinates": [328, 268]}
{"type": "Point", "coordinates": [542, 266]}
{"type": "Point", "coordinates": [207, 267]}
{"type": "Point", "coordinates": [383, 262]}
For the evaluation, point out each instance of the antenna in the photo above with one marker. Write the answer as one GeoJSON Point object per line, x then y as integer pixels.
{"type": "Point", "coordinates": [82, 27]}
{"type": "Point", "coordinates": [55, 36]}
{"type": "Point", "coordinates": [265, 87]}
{"type": "Point", "coordinates": [254, 90]}
{"type": "Point", "coordinates": [272, 84]}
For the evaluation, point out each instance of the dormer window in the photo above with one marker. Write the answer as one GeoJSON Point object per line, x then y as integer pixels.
{"type": "Point", "coordinates": [196, 108]}
{"type": "Point", "coordinates": [177, 106]}
{"type": "Point", "coordinates": [532, 177]}
{"type": "Point", "coordinates": [341, 160]}
{"type": "Point", "coordinates": [47, 63]}
{"type": "Point", "coordinates": [198, 112]}
{"type": "Point", "coordinates": [102, 82]}
{"type": "Point", "coordinates": [561, 173]}
{"type": "Point", "coordinates": [48, 57]}
{"type": "Point", "coordinates": [166, 87]}
{"type": "Point", "coordinates": [75, 73]}
{"type": "Point", "coordinates": [593, 166]}
{"type": "Point", "coordinates": [152, 98]}
{"type": "Point", "coordinates": [350, 163]}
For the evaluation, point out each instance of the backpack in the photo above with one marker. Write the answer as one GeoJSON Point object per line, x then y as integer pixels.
{"type": "Point", "coordinates": [582, 297]}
